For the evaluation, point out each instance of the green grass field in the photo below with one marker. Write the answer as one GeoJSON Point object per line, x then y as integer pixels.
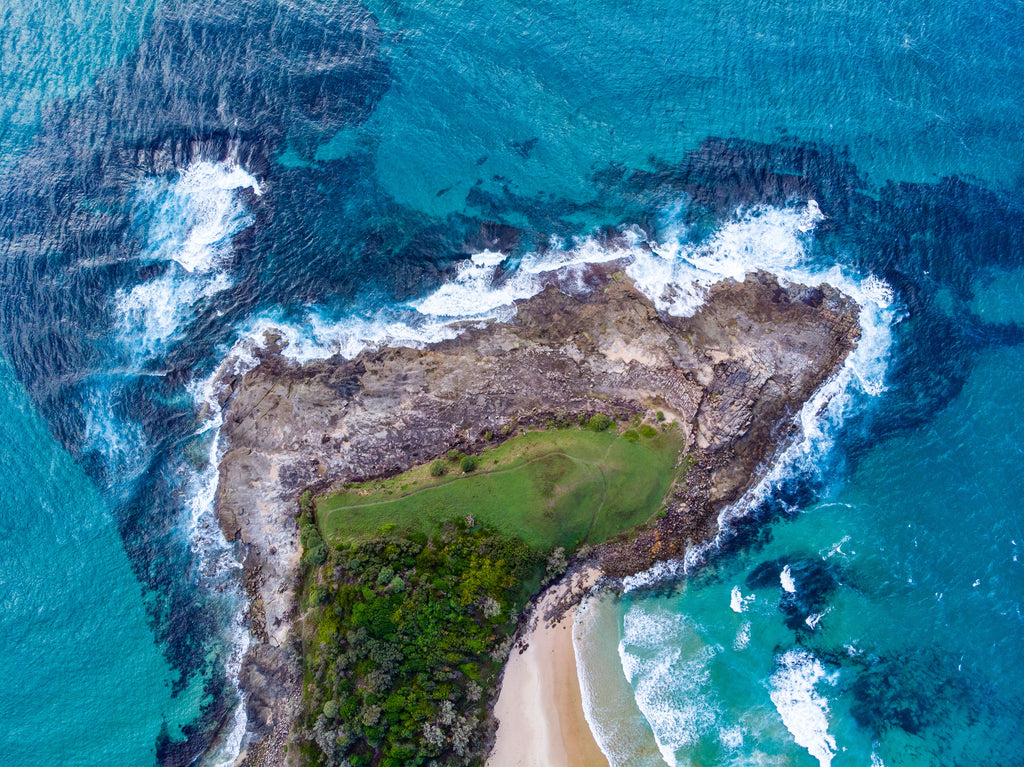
{"type": "Point", "coordinates": [560, 487]}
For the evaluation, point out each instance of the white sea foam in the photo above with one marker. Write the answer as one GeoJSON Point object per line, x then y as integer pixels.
{"type": "Point", "coordinates": [151, 313]}
{"type": "Point", "coordinates": [194, 216]}
{"type": "Point", "coordinates": [609, 704]}
{"type": "Point", "coordinates": [742, 640]}
{"type": "Point", "coordinates": [786, 580]}
{"type": "Point", "coordinates": [315, 335]}
{"type": "Point", "coordinates": [669, 668]}
{"type": "Point", "coordinates": [190, 223]}
{"type": "Point", "coordinates": [738, 602]}
{"type": "Point", "coordinates": [837, 549]}
{"type": "Point", "coordinates": [802, 708]}
{"type": "Point", "coordinates": [475, 292]}
{"type": "Point", "coordinates": [677, 273]}
{"type": "Point", "coordinates": [814, 619]}
{"type": "Point", "coordinates": [731, 737]}
{"type": "Point", "coordinates": [122, 445]}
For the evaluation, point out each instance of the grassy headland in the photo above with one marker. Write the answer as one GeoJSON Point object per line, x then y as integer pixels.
{"type": "Point", "coordinates": [557, 487]}
{"type": "Point", "coordinates": [412, 585]}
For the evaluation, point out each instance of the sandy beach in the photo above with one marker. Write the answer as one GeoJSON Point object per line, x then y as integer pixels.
{"type": "Point", "coordinates": [540, 708]}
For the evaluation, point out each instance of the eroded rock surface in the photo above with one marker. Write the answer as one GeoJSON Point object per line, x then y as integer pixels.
{"type": "Point", "coordinates": [732, 376]}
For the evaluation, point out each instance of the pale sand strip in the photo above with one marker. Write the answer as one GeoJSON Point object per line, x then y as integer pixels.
{"type": "Point", "coordinates": [540, 707]}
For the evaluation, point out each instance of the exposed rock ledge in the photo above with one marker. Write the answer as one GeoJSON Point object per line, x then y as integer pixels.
{"type": "Point", "coordinates": [732, 376]}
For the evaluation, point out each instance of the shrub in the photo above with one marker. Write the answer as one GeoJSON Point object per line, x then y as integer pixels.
{"type": "Point", "coordinates": [314, 550]}
{"type": "Point", "coordinates": [646, 430]}
{"type": "Point", "coordinates": [396, 586]}
{"type": "Point", "coordinates": [631, 435]}
{"type": "Point", "coordinates": [556, 564]}
{"type": "Point", "coordinates": [438, 468]}
{"type": "Point", "coordinates": [599, 422]}
{"type": "Point", "coordinates": [660, 415]}
{"type": "Point", "coordinates": [468, 463]}
{"type": "Point", "coordinates": [331, 709]}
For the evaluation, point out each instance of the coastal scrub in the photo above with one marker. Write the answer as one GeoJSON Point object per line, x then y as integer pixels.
{"type": "Point", "coordinates": [403, 637]}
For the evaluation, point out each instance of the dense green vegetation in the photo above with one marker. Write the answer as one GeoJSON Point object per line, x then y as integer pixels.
{"type": "Point", "coordinates": [412, 585]}
{"type": "Point", "coordinates": [559, 487]}
{"type": "Point", "coordinates": [404, 635]}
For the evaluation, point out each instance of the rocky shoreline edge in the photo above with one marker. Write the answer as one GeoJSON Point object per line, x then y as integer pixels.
{"type": "Point", "coordinates": [732, 376]}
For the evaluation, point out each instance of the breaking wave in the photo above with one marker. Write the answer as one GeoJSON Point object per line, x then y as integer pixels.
{"type": "Point", "coordinates": [189, 225]}
{"type": "Point", "coordinates": [802, 708]}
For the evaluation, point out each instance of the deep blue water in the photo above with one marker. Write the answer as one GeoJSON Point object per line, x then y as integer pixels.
{"type": "Point", "coordinates": [175, 177]}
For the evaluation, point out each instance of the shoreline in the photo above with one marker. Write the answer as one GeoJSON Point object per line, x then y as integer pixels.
{"type": "Point", "coordinates": [541, 721]}
{"type": "Point", "coordinates": [722, 375]}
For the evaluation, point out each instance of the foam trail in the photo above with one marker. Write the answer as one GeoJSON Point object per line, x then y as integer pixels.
{"type": "Point", "coordinates": [669, 668]}
{"type": "Point", "coordinates": [609, 705]}
{"type": "Point", "coordinates": [803, 710]}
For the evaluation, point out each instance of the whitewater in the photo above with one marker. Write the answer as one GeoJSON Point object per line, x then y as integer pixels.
{"type": "Point", "coordinates": [182, 177]}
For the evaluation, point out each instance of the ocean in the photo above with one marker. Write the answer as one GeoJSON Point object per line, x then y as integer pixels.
{"type": "Point", "coordinates": [178, 177]}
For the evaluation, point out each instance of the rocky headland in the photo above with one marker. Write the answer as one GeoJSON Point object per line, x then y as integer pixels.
{"type": "Point", "coordinates": [731, 377]}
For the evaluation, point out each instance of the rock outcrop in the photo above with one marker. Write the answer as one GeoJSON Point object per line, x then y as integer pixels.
{"type": "Point", "coordinates": [732, 377]}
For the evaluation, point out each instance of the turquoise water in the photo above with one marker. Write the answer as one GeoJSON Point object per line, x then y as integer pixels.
{"type": "Point", "coordinates": [915, 638]}
{"type": "Point", "coordinates": [84, 680]}
{"type": "Point", "coordinates": [179, 176]}
{"type": "Point", "coordinates": [638, 84]}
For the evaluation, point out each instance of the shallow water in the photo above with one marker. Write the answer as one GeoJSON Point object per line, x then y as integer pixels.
{"type": "Point", "coordinates": [179, 176]}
